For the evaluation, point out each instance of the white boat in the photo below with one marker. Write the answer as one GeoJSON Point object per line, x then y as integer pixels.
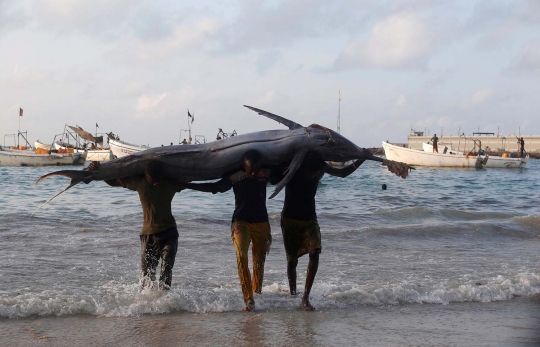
{"type": "Point", "coordinates": [17, 157]}
{"type": "Point", "coordinates": [42, 145]}
{"type": "Point", "coordinates": [99, 154]}
{"type": "Point", "coordinates": [94, 150]}
{"type": "Point", "coordinates": [121, 149]}
{"type": "Point", "coordinates": [449, 159]}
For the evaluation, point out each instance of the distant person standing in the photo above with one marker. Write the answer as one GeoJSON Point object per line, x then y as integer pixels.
{"type": "Point", "coordinates": [521, 147]}
{"type": "Point", "coordinates": [184, 142]}
{"type": "Point", "coordinates": [435, 141]}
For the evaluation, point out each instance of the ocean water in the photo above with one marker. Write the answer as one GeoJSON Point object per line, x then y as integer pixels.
{"type": "Point", "coordinates": [441, 237]}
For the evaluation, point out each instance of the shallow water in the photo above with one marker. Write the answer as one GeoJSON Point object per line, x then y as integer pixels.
{"type": "Point", "coordinates": [441, 236]}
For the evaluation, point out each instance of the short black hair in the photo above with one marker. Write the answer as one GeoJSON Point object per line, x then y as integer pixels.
{"type": "Point", "coordinates": [154, 169]}
{"type": "Point", "coordinates": [253, 156]}
{"type": "Point", "coordinates": [313, 161]}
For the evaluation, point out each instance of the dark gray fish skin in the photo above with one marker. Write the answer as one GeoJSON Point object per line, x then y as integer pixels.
{"type": "Point", "coordinates": [213, 160]}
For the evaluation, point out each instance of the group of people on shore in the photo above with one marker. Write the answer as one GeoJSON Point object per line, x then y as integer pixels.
{"type": "Point", "coordinates": [249, 225]}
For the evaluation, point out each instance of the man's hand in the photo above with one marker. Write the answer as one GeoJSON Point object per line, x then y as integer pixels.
{"type": "Point", "coordinates": [400, 169]}
{"type": "Point", "coordinates": [94, 166]}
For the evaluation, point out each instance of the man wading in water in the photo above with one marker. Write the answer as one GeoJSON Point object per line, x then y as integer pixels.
{"type": "Point", "coordinates": [249, 221]}
{"type": "Point", "coordinates": [299, 226]}
{"type": "Point", "coordinates": [159, 236]}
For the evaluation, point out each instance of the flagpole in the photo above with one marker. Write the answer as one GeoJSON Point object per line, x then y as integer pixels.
{"type": "Point", "coordinates": [189, 127]}
{"type": "Point", "coordinates": [19, 130]}
{"type": "Point", "coordinates": [339, 112]}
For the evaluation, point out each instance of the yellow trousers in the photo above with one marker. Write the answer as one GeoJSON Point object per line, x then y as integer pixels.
{"type": "Point", "coordinates": [242, 234]}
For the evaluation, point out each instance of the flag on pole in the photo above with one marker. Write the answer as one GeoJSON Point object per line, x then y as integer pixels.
{"type": "Point", "coordinates": [20, 112]}
{"type": "Point", "coordinates": [190, 116]}
{"type": "Point", "coordinates": [97, 126]}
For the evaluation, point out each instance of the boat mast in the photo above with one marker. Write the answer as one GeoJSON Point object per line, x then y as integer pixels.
{"type": "Point", "coordinates": [339, 112]}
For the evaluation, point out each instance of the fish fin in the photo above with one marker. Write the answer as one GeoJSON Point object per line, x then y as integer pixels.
{"type": "Point", "coordinates": [289, 173]}
{"type": "Point", "coordinates": [288, 123]}
{"type": "Point", "coordinates": [77, 176]}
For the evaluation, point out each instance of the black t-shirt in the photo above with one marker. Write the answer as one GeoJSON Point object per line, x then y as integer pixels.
{"type": "Point", "coordinates": [250, 197]}
{"type": "Point", "coordinates": [300, 198]}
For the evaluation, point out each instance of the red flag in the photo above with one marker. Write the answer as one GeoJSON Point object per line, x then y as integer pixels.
{"type": "Point", "coordinates": [20, 112]}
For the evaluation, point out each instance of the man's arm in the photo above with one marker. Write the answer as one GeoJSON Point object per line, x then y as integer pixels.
{"type": "Point", "coordinates": [220, 186]}
{"type": "Point", "coordinates": [342, 171]}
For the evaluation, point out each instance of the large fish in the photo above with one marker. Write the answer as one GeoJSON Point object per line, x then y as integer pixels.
{"type": "Point", "coordinates": [215, 159]}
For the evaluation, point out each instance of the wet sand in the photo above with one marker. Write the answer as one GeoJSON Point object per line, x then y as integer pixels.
{"type": "Point", "coordinates": [508, 323]}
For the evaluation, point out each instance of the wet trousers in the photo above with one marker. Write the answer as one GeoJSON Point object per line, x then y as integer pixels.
{"type": "Point", "coordinates": [242, 234]}
{"type": "Point", "coordinates": [153, 247]}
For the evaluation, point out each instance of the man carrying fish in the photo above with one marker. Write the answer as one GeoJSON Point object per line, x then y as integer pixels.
{"type": "Point", "coordinates": [299, 226]}
{"type": "Point", "coordinates": [249, 220]}
{"type": "Point", "coordinates": [159, 235]}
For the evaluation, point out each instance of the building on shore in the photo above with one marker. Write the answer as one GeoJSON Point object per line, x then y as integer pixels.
{"type": "Point", "coordinates": [490, 141]}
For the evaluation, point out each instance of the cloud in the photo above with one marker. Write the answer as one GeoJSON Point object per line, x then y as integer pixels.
{"type": "Point", "coordinates": [24, 75]}
{"type": "Point", "coordinates": [479, 98]}
{"type": "Point", "coordinates": [528, 59]}
{"type": "Point", "coordinates": [145, 102]}
{"type": "Point", "coordinates": [184, 35]}
{"type": "Point", "coordinates": [402, 40]}
{"type": "Point", "coordinates": [267, 59]}
{"type": "Point", "coordinates": [401, 100]}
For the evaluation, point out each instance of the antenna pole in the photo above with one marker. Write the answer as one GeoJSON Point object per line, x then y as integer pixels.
{"type": "Point", "coordinates": [339, 112]}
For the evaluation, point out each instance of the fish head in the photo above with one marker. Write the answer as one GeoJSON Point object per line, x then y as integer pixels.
{"type": "Point", "coordinates": [333, 146]}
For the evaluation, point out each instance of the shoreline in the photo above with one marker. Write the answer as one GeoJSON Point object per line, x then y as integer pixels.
{"type": "Point", "coordinates": [504, 323]}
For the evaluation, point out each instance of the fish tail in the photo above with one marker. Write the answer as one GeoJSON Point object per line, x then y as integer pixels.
{"type": "Point", "coordinates": [77, 176]}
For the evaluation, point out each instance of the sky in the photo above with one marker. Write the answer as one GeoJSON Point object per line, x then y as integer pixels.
{"type": "Point", "coordinates": [135, 67]}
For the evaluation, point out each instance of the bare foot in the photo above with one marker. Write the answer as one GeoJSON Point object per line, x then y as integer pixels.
{"type": "Point", "coordinates": [249, 308]}
{"type": "Point", "coordinates": [307, 305]}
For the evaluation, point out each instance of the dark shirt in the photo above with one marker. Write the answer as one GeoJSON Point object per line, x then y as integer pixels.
{"type": "Point", "coordinates": [435, 139]}
{"type": "Point", "coordinates": [300, 198]}
{"type": "Point", "coordinates": [155, 202]}
{"type": "Point", "coordinates": [249, 196]}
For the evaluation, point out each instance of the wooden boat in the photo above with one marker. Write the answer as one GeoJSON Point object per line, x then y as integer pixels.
{"type": "Point", "coordinates": [39, 157]}
{"type": "Point", "coordinates": [94, 152]}
{"type": "Point", "coordinates": [98, 154]}
{"type": "Point", "coordinates": [38, 144]}
{"type": "Point", "coordinates": [449, 159]}
{"type": "Point", "coordinates": [120, 148]}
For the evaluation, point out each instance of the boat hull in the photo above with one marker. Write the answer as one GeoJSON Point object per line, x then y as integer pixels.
{"type": "Point", "coordinates": [91, 154]}
{"type": "Point", "coordinates": [27, 158]}
{"type": "Point", "coordinates": [422, 158]}
{"type": "Point", "coordinates": [121, 149]}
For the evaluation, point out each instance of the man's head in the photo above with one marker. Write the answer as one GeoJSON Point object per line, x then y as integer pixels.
{"type": "Point", "coordinates": [434, 134]}
{"type": "Point", "coordinates": [252, 163]}
{"type": "Point", "coordinates": [154, 172]}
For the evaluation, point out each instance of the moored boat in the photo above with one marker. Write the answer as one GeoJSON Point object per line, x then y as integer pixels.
{"type": "Point", "coordinates": [450, 158]}
{"type": "Point", "coordinates": [39, 157]}
{"type": "Point", "coordinates": [121, 149]}
{"type": "Point", "coordinates": [93, 148]}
